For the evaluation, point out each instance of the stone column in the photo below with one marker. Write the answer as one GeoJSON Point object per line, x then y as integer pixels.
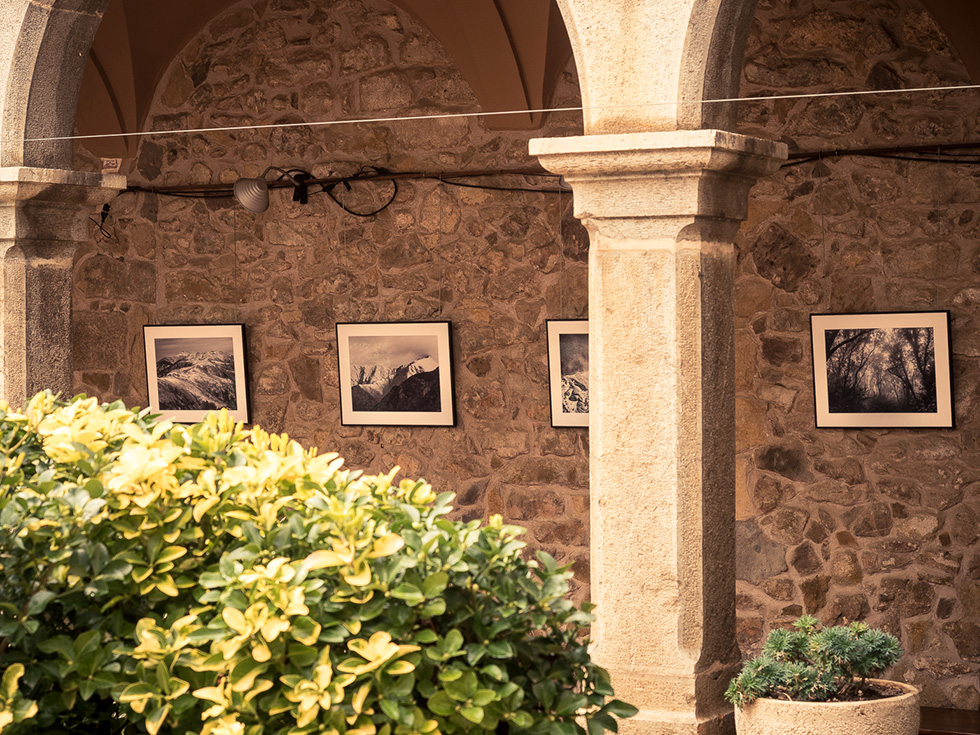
{"type": "Point", "coordinates": [662, 210]}
{"type": "Point", "coordinates": [43, 219]}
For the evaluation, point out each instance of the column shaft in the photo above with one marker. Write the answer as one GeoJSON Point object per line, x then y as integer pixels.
{"type": "Point", "coordinates": [662, 210]}
{"type": "Point", "coordinates": [43, 219]}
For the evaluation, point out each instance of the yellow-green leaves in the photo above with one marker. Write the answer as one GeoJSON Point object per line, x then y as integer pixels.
{"type": "Point", "coordinates": [321, 691]}
{"type": "Point", "coordinates": [229, 582]}
{"type": "Point", "coordinates": [13, 706]}
{"type": "Point", "coordinates": [152, 567]}
{"type": "Point", "coordinates": [246, 626]}
{"type": "Point", "coordinates": [155, 697]}
{"type": "Point", "coordinates": [376, 652]}
{"type": "Point", "coordinates": [386, 546]}
{"type": "Point", "coordinates": [352, 552]}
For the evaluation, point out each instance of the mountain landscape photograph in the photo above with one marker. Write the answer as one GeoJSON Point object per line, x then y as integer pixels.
{"type": "Point", "coordinates": [574, 357]}
{"type": "Point", "coordinates": [395, 373]}
{"type": "Point", "coordinates": [195, 374]}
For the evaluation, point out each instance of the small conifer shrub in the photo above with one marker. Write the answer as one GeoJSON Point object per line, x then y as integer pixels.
{"type": "Point", "coordinates": [812, 663]}
{"type": "Point", "coordinates": [211, 580]}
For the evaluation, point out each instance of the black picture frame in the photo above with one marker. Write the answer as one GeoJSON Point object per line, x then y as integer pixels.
{"type": "Point", "coordinates": [192, 369]}
{"type": "Point", "coordinates": [396, 373]}
{"type": "Point", "coordinates": [568, 372]}
{"type": "Point", "coordinates": [882, 370]}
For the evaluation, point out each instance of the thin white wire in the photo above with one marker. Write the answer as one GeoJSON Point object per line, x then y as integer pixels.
{"type": "Point", "coordinates": [444, 116]}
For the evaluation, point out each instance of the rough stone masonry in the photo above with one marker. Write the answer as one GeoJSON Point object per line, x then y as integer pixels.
{"type": "Point", "coordinates": [882, 525]}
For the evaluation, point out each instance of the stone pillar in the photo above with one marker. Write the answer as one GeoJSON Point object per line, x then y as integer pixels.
{"type": "Point", "coordinates": [662, 210]}
{"type": "Point", "coordinates": [43, 219]}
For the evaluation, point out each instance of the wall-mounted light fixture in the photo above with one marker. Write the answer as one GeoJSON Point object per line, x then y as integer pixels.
{"type": "Point", "coordinates": [253, 194]}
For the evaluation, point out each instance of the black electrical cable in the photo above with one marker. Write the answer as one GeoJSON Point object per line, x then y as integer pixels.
{"type": "Point", "coordinates": [800, 161]}
{"type": "Point", "coordinates": [946, 154]}
{"type": "Point", "coordinates": [302, 180]}
{"type": "Point", "coordinates": [501, 188]}
{"type": "Point", "coordinates": [361, 174]}
{"type": "Point", "coordinates": [100, 223]}
{"type": "Point", "coordinates": [189, 194]}
{"type": "Point", "coordinates": [924, 158]}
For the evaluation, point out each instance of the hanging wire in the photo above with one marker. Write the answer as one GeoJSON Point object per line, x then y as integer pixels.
{"type": "Point", "coordinates": [238, 283]}
{"type": "Point", "coordinates": [561, 251]}
{"type": "Point", "coordinates": [442, 265]}
{"type": "Point", "coordinates": [940, 211]}
{"type": "Point", "coordinates": [823, 236]}
{"type": "Point", "coordinates": [544, 110]}
{"type": "Point", "coordinates": [350, 276]}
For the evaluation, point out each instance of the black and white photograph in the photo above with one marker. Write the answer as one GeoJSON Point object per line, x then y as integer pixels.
{"type": "Point", "coordinates": [568, 371]}
{"type": "Point", "coordinates": [882, 370]}
{"type": "Point", "coordinates": [196, 368]}
{"type": "Point", "coordinates": [396, 374]}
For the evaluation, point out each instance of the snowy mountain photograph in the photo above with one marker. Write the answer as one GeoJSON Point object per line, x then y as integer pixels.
{"type": "Point", "coordinates": [195, 369]}
{"type": "Point", "coordinates": [396, 373]}
{"type": "Point", "coordinates": [195, 374]}
{"type": "Point", "coordinates": [568, 371]}
{"type": "Point", "coordinates": [574, 355]}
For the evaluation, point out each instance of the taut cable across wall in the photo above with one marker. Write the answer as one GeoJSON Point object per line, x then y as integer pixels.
{"type": "Point", "coordinates": [545, 110]}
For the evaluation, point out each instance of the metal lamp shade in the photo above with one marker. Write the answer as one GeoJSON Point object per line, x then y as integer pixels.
{"type": "Point", "coordinates": [253, 194]}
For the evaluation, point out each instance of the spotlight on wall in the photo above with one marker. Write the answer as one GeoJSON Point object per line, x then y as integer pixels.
{"type": "Point", "coordinates": [253, 194]}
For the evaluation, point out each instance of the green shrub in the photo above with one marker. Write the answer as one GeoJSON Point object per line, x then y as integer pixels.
{"type": "Point", "coordinates": [217, 581]}
{"type": "Point", "coordinates": [812, 663]}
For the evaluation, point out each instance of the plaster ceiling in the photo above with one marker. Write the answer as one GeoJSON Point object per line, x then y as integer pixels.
{"type": "Point", "coordinates": [960, 20]}
{"type": "Point", "coordinates": [510, 51]}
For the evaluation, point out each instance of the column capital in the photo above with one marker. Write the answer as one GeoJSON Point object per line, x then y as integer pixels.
{"type": "Point", "coordinates": [20, 183]}
{"type": "Point", "coordinates": [682, 173]}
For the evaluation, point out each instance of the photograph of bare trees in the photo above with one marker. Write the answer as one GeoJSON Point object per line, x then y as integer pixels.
{"type": "Point", "coordinates": [872, 370]}
{"type": "Point", "coordinates": [882, 369]}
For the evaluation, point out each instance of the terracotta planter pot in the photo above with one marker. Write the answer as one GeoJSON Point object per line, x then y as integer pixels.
{"type": "Point", "coordinates": [891, 716]}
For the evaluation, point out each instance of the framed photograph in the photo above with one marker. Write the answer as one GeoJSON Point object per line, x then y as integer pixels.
{"type": "Point", "coordinates": [568, 371]}
{"type": "Point", "coordinates": [192, 369]}
{"type": "Point", "coordinates": [396, 374]}
{"type": "Point", "coordinates": [882, 370]}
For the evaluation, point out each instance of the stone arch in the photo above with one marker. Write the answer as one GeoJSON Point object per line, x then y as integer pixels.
{"type": "Point", "coordinates": [43, 51]}
{"type": "Point", "coordinates": [696, 46]}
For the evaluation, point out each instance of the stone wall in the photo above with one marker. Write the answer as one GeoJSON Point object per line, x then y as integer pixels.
{"type": "Point", "coordinates": [497, 264]}
{"type": "Point", "coordinates": [880, 525]}
{"type": "Point", "coordinates": [872, 524]}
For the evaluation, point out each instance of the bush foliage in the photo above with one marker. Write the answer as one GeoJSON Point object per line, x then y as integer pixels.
{"type": "Point", "coordinates": [219, 581]}
{"type": "Point", "coordinates": [812, 663]}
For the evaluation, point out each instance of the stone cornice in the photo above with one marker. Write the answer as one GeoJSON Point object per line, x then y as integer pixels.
{"type": "Point", "coordinates": [39, 204]}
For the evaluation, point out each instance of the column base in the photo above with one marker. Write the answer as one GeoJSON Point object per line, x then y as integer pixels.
{"type": "Point", "coordinates": [662, 722]}
{"type": "Point", "coordinates": [677, 703]}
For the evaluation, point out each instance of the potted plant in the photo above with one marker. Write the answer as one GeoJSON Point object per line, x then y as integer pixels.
{"type": "Point", "coordinates": [816, 679]}
{"type": "Point", "coordinates": [210, 580]}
